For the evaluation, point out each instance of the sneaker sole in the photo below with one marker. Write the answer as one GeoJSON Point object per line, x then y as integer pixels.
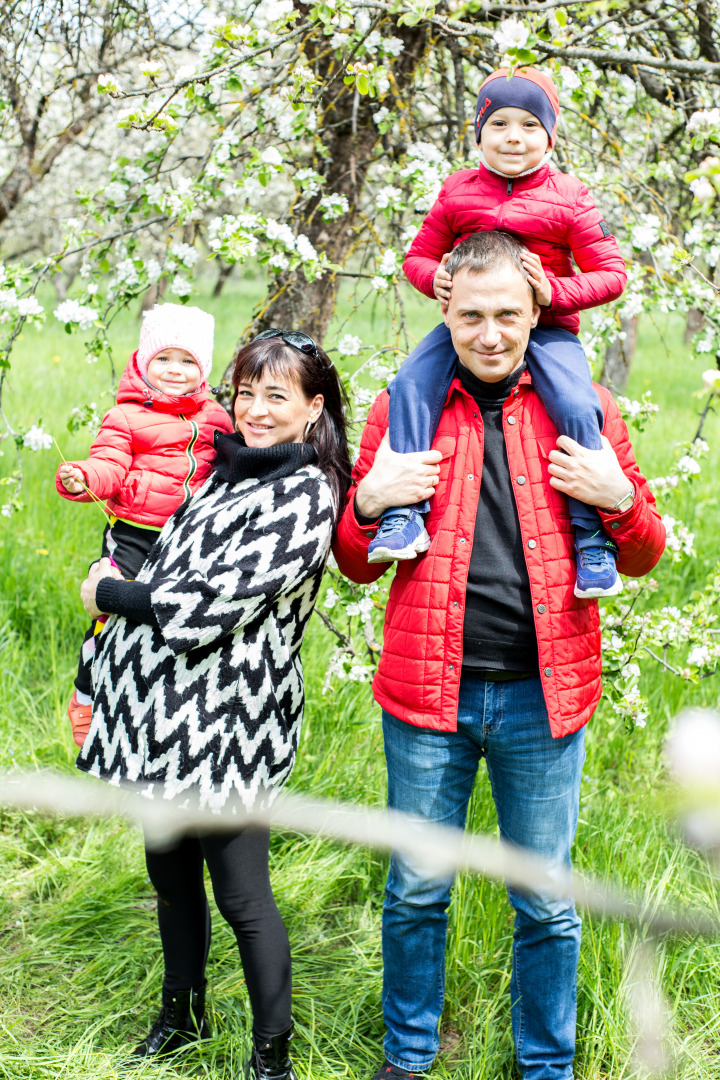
{"type": "Point", "coordinates": [597, 594]}
{"type": "Point", "coordinates": [403, 554]}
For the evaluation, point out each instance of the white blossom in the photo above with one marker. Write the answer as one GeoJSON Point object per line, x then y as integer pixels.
{"type": "Point", "coordinates": [372, 42]}
{"type": "Point", "coordinates": [333, 206]}
{"type": "Point", "coordinates": [72, 311]}
{"type": "Point", "coordinates": [276, 230]}
{"type": "Point", "coordinates": [116, 192]}
{"type": "Point", "coordinates": [305, 249]}
{"type": "Point", "coordinates": [381, 115]}
{"type": "Point", "coordinates": [126, 273]}
{"type": "Point", "coordinates": [153, 269]}
{"type": "Point", "coordinates": [180, 286]}
{"type": "Point", "coordinates": [379, 283]}
{"type": "Point", "coordinates": [309, 181]}
{"type": "Point", "coordinates": [388, 263]}
{"type": "Point", "coordinates": [6, 510]}
{"type": "Point", "coordinates": [702, 189]}
{"type": "Point", "coordinates": [184, 72]}
{"type": "Point", "coordinates": [511, 34]}
{"type": "Point", "coordinates": [37, 439]}
{"type": "Point", "coordinates": [569, 79]}
{"type": "Point", "coordinates": [704, 120]}
{"type": "Point", "coordinates": [108, 83]}
{"type": "Point", "coordinates": [29, 306]}
{"type": "Point", "coordinates": [349, 345]}
{"type": "Point", "coordinates": [699, 656]}
{"type": "Point", "coordinates": [185, 253]}
{"type": "Point", "coordinates": [388, 196]}
{"type": "Point", "coordinates": [688, 466]}
{"type": "Point", "coordinates": [393, 46]}
{"type": "Point", "coordinates": [271, 156]}
{"type": "Point", "coordinates": [134, 174]}
{"type": "Point", "coordinates": [645, 233]}
{"type": "Point", "coordinates": [278, 261]}
{"type": "Point", "coordinates": [331, 599]}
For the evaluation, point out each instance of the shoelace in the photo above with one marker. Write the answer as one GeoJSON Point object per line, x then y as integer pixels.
{"type": "Point", "coordinates": [594, 557]}
{"type": "Point", "coordinates": [391, 522]}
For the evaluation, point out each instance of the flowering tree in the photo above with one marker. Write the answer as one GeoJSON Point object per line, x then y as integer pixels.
{"type": "Point", "coordinates": [312, 138]}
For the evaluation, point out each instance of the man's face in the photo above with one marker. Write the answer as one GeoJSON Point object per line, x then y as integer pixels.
{"type": "Point", "coordinates": [490, 316]}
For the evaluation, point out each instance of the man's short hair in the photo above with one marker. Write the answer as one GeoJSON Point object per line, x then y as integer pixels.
{"type": "Point", "coordinates": [486, 251]}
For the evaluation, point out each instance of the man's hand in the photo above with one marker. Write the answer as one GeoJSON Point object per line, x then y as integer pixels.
{"type": "Point", "coordinates": [397, 480]}
{"type": "Point", "coordinates": [592, 476]}
{"type": "Point", "coordinates": [102, 569]}
{"type": "Point", "coordinates": [537, 278]}
{"type": "Point", "coordinates": [72, 479]}
{"type": "Point", "coordinates": [442, 283]}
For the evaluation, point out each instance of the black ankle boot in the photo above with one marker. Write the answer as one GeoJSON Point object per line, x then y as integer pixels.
{"type": "Point", "coordinates": [270, 1059]}
{"type": "Point", "coordinates": [181, 1021]}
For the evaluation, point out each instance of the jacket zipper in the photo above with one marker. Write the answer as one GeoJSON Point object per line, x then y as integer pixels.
{"type": "Point", "coordinates": [509, 188]}
{"type": "Point", "coordinates": [193, 465]}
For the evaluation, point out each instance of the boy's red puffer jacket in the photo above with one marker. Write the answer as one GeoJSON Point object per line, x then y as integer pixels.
{"type": "Point", "coordinates": [554, 216]}
{"type": "Point", "coordinates": [418, 679]}
{"type": "Point", "coordinates": [152, 450]}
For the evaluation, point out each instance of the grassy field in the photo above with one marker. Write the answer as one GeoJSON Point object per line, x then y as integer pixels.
{"type": "Point", "coordinates": [80, 967]}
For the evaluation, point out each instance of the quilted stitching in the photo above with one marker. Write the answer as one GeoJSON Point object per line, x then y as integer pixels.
{"type": "Point", "coordinates": [423, 628]}
{"type": "Point", "coordinates": [551, 212]}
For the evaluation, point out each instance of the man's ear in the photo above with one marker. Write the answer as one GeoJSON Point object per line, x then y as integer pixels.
{"type": "Point", "coordinates": [535, 314]}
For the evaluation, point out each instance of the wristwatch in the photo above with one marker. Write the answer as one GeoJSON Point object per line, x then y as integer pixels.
{"type": "Point", "coordinates": [622, 504]}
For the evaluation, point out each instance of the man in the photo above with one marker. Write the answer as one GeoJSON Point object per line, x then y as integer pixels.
{"type": "Point", "coordinates": [487, 652]}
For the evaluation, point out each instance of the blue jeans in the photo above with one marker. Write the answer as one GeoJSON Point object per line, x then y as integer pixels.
{"type": "Point", "coordinates": [560, 375]}
{"type": "Point", "coordinates": [535, 783]}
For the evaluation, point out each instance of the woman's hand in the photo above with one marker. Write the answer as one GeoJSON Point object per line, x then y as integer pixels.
{"type": "Point", "coordinates": [72, 479]}
{"type": "Point", "coordinates": [592, 476]}
{"type": "Point", "coordinates": [537, 278]}
{"type": "Point", "coordinates": [99, 570]}
{"type": "Point", "coordinates": [442, 283]}
{"type": "Point", "coordinates": [397, 480]}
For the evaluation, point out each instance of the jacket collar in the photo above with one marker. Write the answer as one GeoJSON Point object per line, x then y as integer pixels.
{"type": "Point", "coordinates": [456, 386]}
{"type": "Point", "coordinates": [236, 462]}
{"type": "Point", "coordinates": [519, 183]}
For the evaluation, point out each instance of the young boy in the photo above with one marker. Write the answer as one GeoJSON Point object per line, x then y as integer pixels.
{"type": "Point", "coordinates": [154, 448]}
{"type": "Point", "coordinates": [514, 190]}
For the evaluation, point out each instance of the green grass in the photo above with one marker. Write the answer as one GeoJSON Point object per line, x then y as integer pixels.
{"type": "Point", "coordinates": [79, 963]}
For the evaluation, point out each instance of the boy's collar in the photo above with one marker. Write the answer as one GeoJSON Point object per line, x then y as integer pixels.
{"type": "Point", "coordinates": [517, 176]}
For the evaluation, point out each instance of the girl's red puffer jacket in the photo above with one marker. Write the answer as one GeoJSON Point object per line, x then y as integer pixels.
{"type": "Point", "coordinates": [418, 679]}
{"type": "Point", "coordinates": [554, 216]}
{"type": "Point", "coordinates": [152, 450]}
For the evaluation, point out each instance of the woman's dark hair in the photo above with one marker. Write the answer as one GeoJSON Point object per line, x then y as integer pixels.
{"type": "Point", "coordinates": [314, 374]}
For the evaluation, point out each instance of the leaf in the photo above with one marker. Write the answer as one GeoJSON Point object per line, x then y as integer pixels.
{"type": "Point", "coordinates": [561, 16]}
{"type": "Point", "coordinates": [363, 84]}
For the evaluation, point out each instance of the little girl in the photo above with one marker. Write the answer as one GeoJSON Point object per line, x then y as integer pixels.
{"type": "Point", "coordinates": [155, 448]}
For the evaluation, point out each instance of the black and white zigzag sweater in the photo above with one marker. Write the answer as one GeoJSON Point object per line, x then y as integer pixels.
{"type": "Point", "coordinates": [204, 700]}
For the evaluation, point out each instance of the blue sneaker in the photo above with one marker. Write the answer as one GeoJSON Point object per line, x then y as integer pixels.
{"type": "Point", "coordinates": [596, 570]}
{"type": "Point", "coordinates": [402, 534]}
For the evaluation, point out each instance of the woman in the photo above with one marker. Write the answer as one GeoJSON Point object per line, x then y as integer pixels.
{"type": "Point", "coordinates": [198, 689]}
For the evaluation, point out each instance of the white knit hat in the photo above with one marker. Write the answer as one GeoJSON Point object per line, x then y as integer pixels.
{"type": "Point", "coordinates": [174, 326]}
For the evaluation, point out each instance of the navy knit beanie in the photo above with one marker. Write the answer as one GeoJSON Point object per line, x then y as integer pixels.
{"type": "Point", "coordinates": [527, 89]}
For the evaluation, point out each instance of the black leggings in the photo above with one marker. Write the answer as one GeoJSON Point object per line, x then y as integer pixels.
{"type": "Point", "coordinates": [238, 865]}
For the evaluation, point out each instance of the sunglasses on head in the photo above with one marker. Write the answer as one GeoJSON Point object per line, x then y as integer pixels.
{"type": "Point", "coordinates": [295, 338]}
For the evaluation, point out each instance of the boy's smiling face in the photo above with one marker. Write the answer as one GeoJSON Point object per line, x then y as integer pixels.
{"type": "Point", "coordinates": [513, 141]}
{"type": "Point", "coordinates": [174, 372]}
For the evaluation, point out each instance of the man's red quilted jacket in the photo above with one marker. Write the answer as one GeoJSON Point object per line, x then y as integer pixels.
{"type": "Point", "coordinates": [152, 451]}
{"type": "Point", "coordinates": [554, 216]}
{"type": "Point", "coordinates": [419, 674]}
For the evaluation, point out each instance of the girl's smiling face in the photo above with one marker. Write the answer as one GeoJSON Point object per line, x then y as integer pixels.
{"type": "Point", "coordinates": [174, 372]}
{"type": "Point", "coordinates": [273, 409]}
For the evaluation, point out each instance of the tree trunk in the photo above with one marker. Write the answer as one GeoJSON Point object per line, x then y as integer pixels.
{"type": "Point", "coordinates": [695, 321]}
{"type": "Point", "coordinates": [225, 270]}
{"type": "Point", "coordinates": [349, 136]}
{"type": "Point", "coordinates": [619, 356]}
{"type": "Point", "coordinates": [152, 296]}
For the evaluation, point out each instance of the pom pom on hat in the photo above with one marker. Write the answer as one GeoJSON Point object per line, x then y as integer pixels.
{"type": "Point", "coordinates": [174, 326]}
{"type": "Point", "coordinates": [527, 89]}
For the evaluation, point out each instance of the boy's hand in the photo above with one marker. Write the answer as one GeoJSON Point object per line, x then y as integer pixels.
{"type": "Point", "coordinates": [442, 283]}
{"type": "Point", "coordinates": [537, 278]}
{"type": "Point", "coordinates": [72, 479]}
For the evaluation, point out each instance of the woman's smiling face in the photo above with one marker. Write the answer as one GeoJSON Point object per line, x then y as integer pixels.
{"type": "Point", "coordinates": [273, 409]}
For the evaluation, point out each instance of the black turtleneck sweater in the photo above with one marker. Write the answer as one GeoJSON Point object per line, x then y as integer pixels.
{"type": "Point", "coordinates": [499, 630]}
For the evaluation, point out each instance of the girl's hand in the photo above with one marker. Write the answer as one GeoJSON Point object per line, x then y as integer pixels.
{"type": "Point", "coordinates": [442, 283]}
{"type": "Point", "coordinates": [102, 569]}
{"type": "Point", "coordinates": [72, 479]}
{"type": "Point", "coordinates": [537, 278]}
